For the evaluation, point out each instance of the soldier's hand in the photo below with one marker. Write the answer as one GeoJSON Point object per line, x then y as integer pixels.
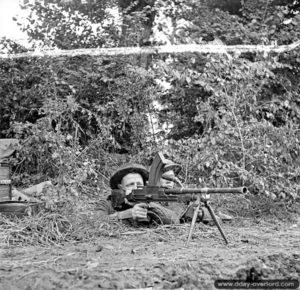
{"type": "Point", "coordinates": [139, 211]}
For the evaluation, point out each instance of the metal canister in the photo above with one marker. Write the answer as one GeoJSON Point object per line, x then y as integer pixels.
{"type": "Point", "coordinates": [20, 208]}
{"type": "Point", "coordinates": [5, 182]}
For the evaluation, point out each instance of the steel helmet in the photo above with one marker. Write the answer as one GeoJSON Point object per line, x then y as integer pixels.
{"type": "Point", "coordinates": [117, 176]}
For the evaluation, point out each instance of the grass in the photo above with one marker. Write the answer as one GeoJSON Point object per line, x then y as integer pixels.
{"type": "Point", "coordinates": [257, 206]}
{"type": "Point", "coordinates": [78, 221]}
{"type": "Point", "coordinates": [72, 222]}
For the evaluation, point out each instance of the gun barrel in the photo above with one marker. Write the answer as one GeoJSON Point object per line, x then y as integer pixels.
{"type": "Point", "coordinates": [206, 190]}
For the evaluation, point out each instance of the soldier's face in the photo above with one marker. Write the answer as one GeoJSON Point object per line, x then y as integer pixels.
{"type": "Point", "coordinates": [131, 181]}
{"type": "Point", "coordinates": [167, 183]}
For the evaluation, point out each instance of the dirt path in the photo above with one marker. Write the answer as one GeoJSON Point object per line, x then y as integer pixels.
{"type": "Point", "coordinates": [157, 258]}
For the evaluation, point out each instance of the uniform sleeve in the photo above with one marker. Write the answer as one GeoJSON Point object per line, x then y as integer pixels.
{"type": "Point", "coordinates": [104, 208]}
{"type": "Point", "coordinates": [162, 215]}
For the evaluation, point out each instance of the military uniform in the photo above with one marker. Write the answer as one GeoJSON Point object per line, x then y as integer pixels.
{"type": "Point", "coordinates": [157, 213]}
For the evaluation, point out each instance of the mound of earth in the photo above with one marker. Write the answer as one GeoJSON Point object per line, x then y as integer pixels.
{"type": "Point", "coordinates": [157, 258]}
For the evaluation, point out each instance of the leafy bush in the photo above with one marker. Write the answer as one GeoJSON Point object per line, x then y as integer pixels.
{"type": "Point", "coordinates": [245, 132]}
{"type": "Point", "coordinates": [232, 119]}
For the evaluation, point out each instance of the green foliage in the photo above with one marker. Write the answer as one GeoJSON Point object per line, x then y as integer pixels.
{"type": "Point", "coordinates": [231, 120]}
{"type": "Point", "coordinates": [70, 113]}
{"type": "Point", "coordinates": [10, 46]}
{"type": "Point", "coordinates": [96, 92]}
{"type": "Point", "coordinates": [234, 118]}
{"type": "Point", "coordinates": [244, 139]}
{"type": "Point", "coordinates": [70, 26]}
{"type": "Point", "coordinates": [23, 88]}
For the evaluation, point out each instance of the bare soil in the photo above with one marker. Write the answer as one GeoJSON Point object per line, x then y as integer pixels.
{"type": "Point", "coordinates": [157, 258]}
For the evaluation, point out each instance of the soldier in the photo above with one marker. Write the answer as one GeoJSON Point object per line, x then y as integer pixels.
{"type": "Point", "coordinates": [127, 178]}
{"type": "Point", "coordinates": [131, 176]}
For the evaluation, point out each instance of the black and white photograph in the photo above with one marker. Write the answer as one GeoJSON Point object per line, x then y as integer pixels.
{"type": "Point", "coordinates": [149, 144]}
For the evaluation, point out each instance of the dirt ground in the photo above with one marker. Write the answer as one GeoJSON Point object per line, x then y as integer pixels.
{"type": "Point", "coordinates": [157, 258]}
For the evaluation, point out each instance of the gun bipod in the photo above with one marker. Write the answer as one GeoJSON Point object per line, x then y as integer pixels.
{"type": "Point", "coordinates": [213, 216]}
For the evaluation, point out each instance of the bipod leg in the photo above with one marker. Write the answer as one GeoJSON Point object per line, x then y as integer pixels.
{"type": "Point", "coordinates": [195, 215]}
{"type": "Point", "coordinates": [207, 205]}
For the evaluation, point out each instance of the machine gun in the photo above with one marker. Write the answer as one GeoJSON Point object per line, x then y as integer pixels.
{"type": "Point", "coordinates": [153, 192]}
